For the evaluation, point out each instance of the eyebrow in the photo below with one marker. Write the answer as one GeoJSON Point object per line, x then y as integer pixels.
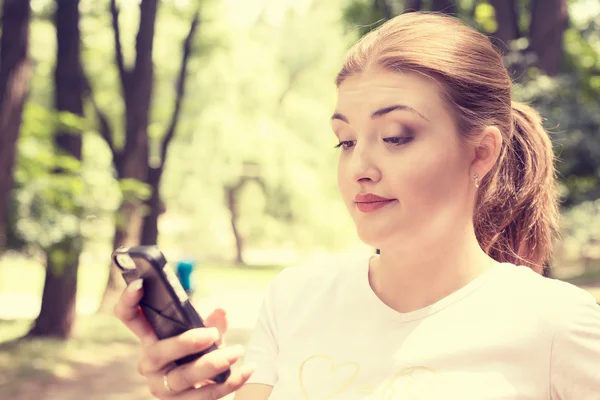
{"type": "Point", "coordinates": [383, 111]}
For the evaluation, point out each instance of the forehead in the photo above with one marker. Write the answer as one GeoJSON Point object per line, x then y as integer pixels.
{"type": "Point", "coordinates": [376, 88]}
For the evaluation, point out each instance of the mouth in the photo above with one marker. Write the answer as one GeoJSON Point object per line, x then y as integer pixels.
{"type": "Point", "coordinates": [370, 202]}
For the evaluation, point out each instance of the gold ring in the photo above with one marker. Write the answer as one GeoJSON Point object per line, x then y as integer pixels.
{"type": "Point", "coordinates": [166, 384]}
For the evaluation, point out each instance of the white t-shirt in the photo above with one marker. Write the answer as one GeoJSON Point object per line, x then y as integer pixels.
{"type": "Point", "coordinates": [509, 334]}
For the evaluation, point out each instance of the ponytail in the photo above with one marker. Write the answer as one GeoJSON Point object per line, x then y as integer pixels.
{"type": "Point", "coordinates": [516, 218]}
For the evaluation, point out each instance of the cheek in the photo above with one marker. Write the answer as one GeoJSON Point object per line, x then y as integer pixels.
{"type": "Point", "coordinates": [433, 179]}
{"type": "Point", "coordinates": [342, 178]}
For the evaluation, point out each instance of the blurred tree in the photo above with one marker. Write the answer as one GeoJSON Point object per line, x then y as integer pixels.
{"type": "Point", "coordinates": [548, 22]}
{"type": "Point", "coordinates": [233, 192]}
{"type": "Point", "coordinates": [137, 217]}
{"type": "Point", "coordinates": [507, 18]}
{"type": "Point", "coordinates": [413, 5]}
{"type": "Point", "coordinates": [131, 161]}
{"type": "Point", "coordinates": [445, 6]}
{"type": "Point", "coordinates": [386, 8]}
{"type": "Point", "coordinates": [15, 73]}
{"type": "Point", "coordinates": [58, 307]}
{"type": "Point", "coordinates": [542, 40]}
{"type": "Point", "coordinates": [155, 205]}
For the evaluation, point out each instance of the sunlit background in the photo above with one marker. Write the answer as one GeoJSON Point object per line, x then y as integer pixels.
{"type": "Point", "coordinates": [242, 178]}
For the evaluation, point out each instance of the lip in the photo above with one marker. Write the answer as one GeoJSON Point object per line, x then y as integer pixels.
{"type": "Point", "coordinates": [369, 202]}
{"type": "Point", "coordinates": [369, 198]}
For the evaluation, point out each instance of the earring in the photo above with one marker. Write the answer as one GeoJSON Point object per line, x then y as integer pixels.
{"type": "Point", "coordinates": [476, 180]}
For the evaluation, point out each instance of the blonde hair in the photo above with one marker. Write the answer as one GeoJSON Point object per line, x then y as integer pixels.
{"type": "Point", "coordinates": [516, 213]}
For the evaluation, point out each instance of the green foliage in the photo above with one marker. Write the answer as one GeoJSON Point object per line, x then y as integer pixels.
{"type": "Point", "coordinates": [363, 16]}
{"type": "Point", "coordinates": [569, 102]}
{"type": "Point", "coordinates": [45, 203]}
{"type": "Point", "coordinates": [485, 16]}
{"type": "Point", "coordinates": [49, 207]}
{"type": "Point", "coordinates": [134, 191]}
{"type": "Point", "coordinates": [580, 241]}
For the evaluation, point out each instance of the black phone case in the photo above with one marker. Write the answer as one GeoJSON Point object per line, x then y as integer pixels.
{"type": "Point", "coordinates": [165, 303]}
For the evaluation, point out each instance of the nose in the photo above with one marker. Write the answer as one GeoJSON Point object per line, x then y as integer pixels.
{"type": "Point", "coordinates": [363, 164]}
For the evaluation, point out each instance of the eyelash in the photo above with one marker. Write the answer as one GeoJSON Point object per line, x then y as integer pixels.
{"type": "Point", "coordinates": [344, 144]}
{"type": "Point", "coordinates": [394, 141]}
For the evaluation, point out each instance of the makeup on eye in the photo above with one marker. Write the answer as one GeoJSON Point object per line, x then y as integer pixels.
{"type": "Point", "coordinates": [345, 144]}
{"type": "Point", "coordinates": [398, 140]}
{"type": "Point", "coordinates": [392, 140]}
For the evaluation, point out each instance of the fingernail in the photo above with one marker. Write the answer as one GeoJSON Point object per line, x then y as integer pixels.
{"type": "Point", "coordinates": [235, 352]}
{"type": "Point", "coordinates": [136, 285]}
{"type": "Point", "coordinates": [200, 336]}
{"type": "Point", "coordinates": [247, 369]}
{"type": "Point", "coordinates": [214, 333]}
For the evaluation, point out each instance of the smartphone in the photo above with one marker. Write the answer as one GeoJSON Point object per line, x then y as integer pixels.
{"type": "Point", "coordinates": [165, 303]}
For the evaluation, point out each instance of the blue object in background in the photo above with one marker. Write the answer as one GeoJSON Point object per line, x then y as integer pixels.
{"type": "Point", "coordinates": [184, 273]}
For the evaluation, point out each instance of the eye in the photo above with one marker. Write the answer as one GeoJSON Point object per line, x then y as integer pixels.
{"type": "Point", "coordinates": [345, 144]}
{"type": "Point", "coordinates": [398, 140]}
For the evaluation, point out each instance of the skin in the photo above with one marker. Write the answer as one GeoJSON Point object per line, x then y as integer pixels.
{"type": "Point", "coordinates": [413, 155]}
{"type": "Point", "coordinates": [416, 156]}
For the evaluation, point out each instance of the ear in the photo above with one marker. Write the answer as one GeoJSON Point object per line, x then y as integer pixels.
{"type": "Point", "coordinates": [486, 151]}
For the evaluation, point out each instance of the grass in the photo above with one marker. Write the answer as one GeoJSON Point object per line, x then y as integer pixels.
{"type": "Point", "coordinates": [97, 339]}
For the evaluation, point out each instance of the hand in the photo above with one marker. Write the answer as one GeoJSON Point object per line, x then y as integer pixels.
{"type": "Point", "coordinates": [189, 381]}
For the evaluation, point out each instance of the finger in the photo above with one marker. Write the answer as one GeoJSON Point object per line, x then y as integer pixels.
{"type": "Point", "coordinates": [128, 311]}
{"type": "Point", "coordinates": [218, 319]}
{"type": "Point", "coordinates": [158, 355]}
{"type": "Point", "coordinates": [205, 368]}
{"type": "Point", "coordinates": [236, 380]}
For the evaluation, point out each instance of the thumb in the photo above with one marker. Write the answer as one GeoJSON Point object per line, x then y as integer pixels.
{"type": "Point", "coordinates": [217, 319]}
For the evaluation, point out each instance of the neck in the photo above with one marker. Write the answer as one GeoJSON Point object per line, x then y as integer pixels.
{"type": "Point", "coordinates": [409, 278]}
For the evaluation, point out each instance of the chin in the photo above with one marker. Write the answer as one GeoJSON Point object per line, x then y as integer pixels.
{"type": "Point", "coordinates": [373, 237]}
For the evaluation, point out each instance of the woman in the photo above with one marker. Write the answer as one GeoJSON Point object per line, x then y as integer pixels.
{"type": "Point", "coordinates": [454, 183]}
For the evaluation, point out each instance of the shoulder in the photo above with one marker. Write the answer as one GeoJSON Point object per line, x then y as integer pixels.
{"type": "Point", "coordinates": [531, 287]}
{"type": "Point", "coordinates": [555, 303]}
{"type": "Point", "coordinates": [319, 278]}
{"type": "Point", "coordinates": [316, 275]}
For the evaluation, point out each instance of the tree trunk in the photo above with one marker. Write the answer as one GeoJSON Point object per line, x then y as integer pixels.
{"type": "Point", "coordinates": [154, 208]}
{"type": "Point", "coordinates": [232, 204]}
{"type": "Point", "coordinates": [136, 86]}
{"type": "Point", "coordinates": [413, 5]}
{"type": "Point", "coordinates": [127, 233]}
{"type": "Point", "coordinates": [133, 225]}
{"type": "Point", "coordinates": [386, 8]}
{"type": "Point", "coordinates": [548, 22]}
{"type": "Point", "coordinates": [137, 92]}
{"type": "Point", "coordinates": [57, 313]}
{"type": "Point", "coordinates": [507, 19]}
{"type": "Point", "coordinates": [445, 6]}
{"type": "Point", "coordinates": [15, 74]}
